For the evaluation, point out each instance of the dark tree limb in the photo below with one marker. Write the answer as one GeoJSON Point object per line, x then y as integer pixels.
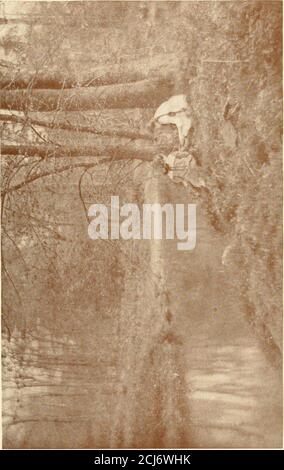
{"type": "Point", "coordinates": [122, 133]}
{"type": "Point", "coordinates": [143, 94]}
{"type": "Point", "coordinates": [132, 150]}
{"type": "Point", "coordinates": [161, 66]}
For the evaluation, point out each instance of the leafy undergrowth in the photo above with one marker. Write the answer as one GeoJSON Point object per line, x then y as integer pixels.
{"type": "Point", "coordinates": [237, 100]}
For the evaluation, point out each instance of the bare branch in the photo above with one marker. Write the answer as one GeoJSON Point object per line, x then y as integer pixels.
{"type": "Point", "coordinates": [50, 173]}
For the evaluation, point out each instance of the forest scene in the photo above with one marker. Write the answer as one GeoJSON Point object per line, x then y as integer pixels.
{"type": "Point", "coordinates": [132, 343]}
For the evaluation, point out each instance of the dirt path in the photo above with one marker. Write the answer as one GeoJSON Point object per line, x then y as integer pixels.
{"type": "Point", "coordinates": [234, 392]}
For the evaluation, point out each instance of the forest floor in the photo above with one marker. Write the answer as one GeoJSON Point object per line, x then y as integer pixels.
{"type": "Point", "coordinates": [233, 388]}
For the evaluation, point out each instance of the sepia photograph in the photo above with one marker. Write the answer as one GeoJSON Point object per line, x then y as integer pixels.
{"type": "Point", "coordinates": [141, 225]}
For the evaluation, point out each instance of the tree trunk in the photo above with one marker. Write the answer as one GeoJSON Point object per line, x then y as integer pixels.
{"type": "Point", "coordinates": [159, 66]}
{"type": "Point", "coordinates": [121, 133]}
{"type": "Point", "coordinates": [131, 150]}
{"type": "Point", "coordinates": [143, 94]}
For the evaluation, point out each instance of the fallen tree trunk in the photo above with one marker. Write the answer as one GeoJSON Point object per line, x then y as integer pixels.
{"type": "Point", "coordinates": [143, 94]}
{"type": "Point", "coordinates": [132, 150]}
{"type": "Point", "coordinates": [123, 133]}
{"type": "Point", "coordinates": [160, 66]}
